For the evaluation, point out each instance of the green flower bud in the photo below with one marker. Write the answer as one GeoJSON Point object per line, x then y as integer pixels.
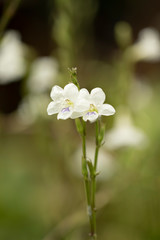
{"type": "Point", "coordinates": [73, 75]}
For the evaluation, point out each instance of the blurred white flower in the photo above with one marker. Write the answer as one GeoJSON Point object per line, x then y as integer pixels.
{"type": "Point", "coordinates": [147, 47]}
{"type": "Point", "coordinates": [32, 108]}
{"type": "Point", "coordinates": [96, 106]}
{"type": "Point", "coordinates": [67, 102]}
{"type": "Point", "coordinates": [125, 134]}
{"type": "Point", "coordinates": [42, 75]}
{"type": "Point", "coordinates": [141, 94]}
{"type": "Point", "coordinates": [106, 165]}
{"type": "Point", "coordinates": [12, 58]}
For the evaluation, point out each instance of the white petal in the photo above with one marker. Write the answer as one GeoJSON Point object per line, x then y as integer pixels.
{"type": "Point", "coordinates": [65, 113]}
{"type": "Point", "coordinates": [76, 115]}
{"type": "Point", "coordinates": [83, 93]}
{"type": "Point", "coordinates": [92, 117]}
{"type": "Point", "coordinates": [98, 96]}
{"type": "Point", "coordinates": [71, 92]}
{"type": "Point", "coordinates": [81, 105]}
{"type": "Point", "coordinates": [106, 110]}
{"type": "Point", "coordinates": [53, 107]}
{"type": "Point", "coordinates": [56, 93]}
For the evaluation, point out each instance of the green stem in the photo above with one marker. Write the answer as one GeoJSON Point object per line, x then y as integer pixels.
{"type": "Point", "coordinates": [84, 165]}
{"type": "Point", "coordinates": [8, 13]}
{"type": "Point", "coordinates": [87, 183]}
{"type": "Point", "coordinates": [93, 179]}
{"type": "Point", "coordinates": [97, 146]}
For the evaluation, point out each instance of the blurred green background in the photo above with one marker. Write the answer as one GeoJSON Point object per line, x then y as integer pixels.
{"type": "Point", "coordinates": [115, 45]}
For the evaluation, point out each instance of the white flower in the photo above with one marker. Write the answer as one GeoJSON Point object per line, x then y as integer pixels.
{"type": "Point", "coordinates": [125, 134]}
{"type": "Point", "coordinates": [32, 108]}
{"type": "Point", "coordinates": [42, 74]}
{"type": "Point", "coordinates": [147, 47]}
{"type": "Point", "coordinates": [67, 102]}
{"type": "Point", "coordinates": [71, 103]}
{"type": "Point", "coordinates": [12, 62]}
{"type": "Point", "coordinates": [96, 106]}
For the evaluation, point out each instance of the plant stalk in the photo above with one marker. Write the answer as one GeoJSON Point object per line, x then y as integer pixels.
{"type": "Point", "coordinates": [93, 179]}
{"type": "Point", "coordinates": [8, 14]}
{"type": "Point", "coordinates": [88, 187]}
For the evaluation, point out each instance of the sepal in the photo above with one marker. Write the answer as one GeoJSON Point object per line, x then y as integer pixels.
{"type": "Point", "coordinates": [91, 169]}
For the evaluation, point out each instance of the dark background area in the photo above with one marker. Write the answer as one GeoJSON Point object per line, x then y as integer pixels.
{"type": "Point", "coordinates": [34, 20]}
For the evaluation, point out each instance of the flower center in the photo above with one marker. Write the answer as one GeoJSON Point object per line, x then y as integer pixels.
{"type": "Point", "coordinates": [92, 109]}
{"type": "Point", "coordinates": [67, 106]}
{"type": "Point", "coordinates": [69, 103]}
{"type": "Point", "coordinates": [65, 110]}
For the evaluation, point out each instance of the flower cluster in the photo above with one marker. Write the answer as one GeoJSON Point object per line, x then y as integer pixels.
{"type": "Point", "coordinates": [71, 102]}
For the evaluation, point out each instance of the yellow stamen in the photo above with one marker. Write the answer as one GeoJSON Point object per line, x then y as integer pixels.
{"type": "Point", "coordinates": [93, 108]}
{"type": "Point", "coordinates": [69, 103]}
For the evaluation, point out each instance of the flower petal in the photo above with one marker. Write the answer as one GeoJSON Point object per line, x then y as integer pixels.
{"type": "Point", "coordinates": [71, 92]}
{"type": "Point", "coordinates": [106, 110]}
{"type": "Point", "coordinates": [53, 107]}
{"type": "Point", "coordinates": [91, 116]}
{"type": "Point", "coordinates": [83, 93]}
{"type": "Point", "coordinates": [76, 115]}
{"type": "Point", "coordinates": [81, 105]}
{"type": "Point", "coordinates": [98, 96]}
{"type": "Point", "coordinates": [56, 93]}
{"type": "Point", "coordinates": [65, 113]}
